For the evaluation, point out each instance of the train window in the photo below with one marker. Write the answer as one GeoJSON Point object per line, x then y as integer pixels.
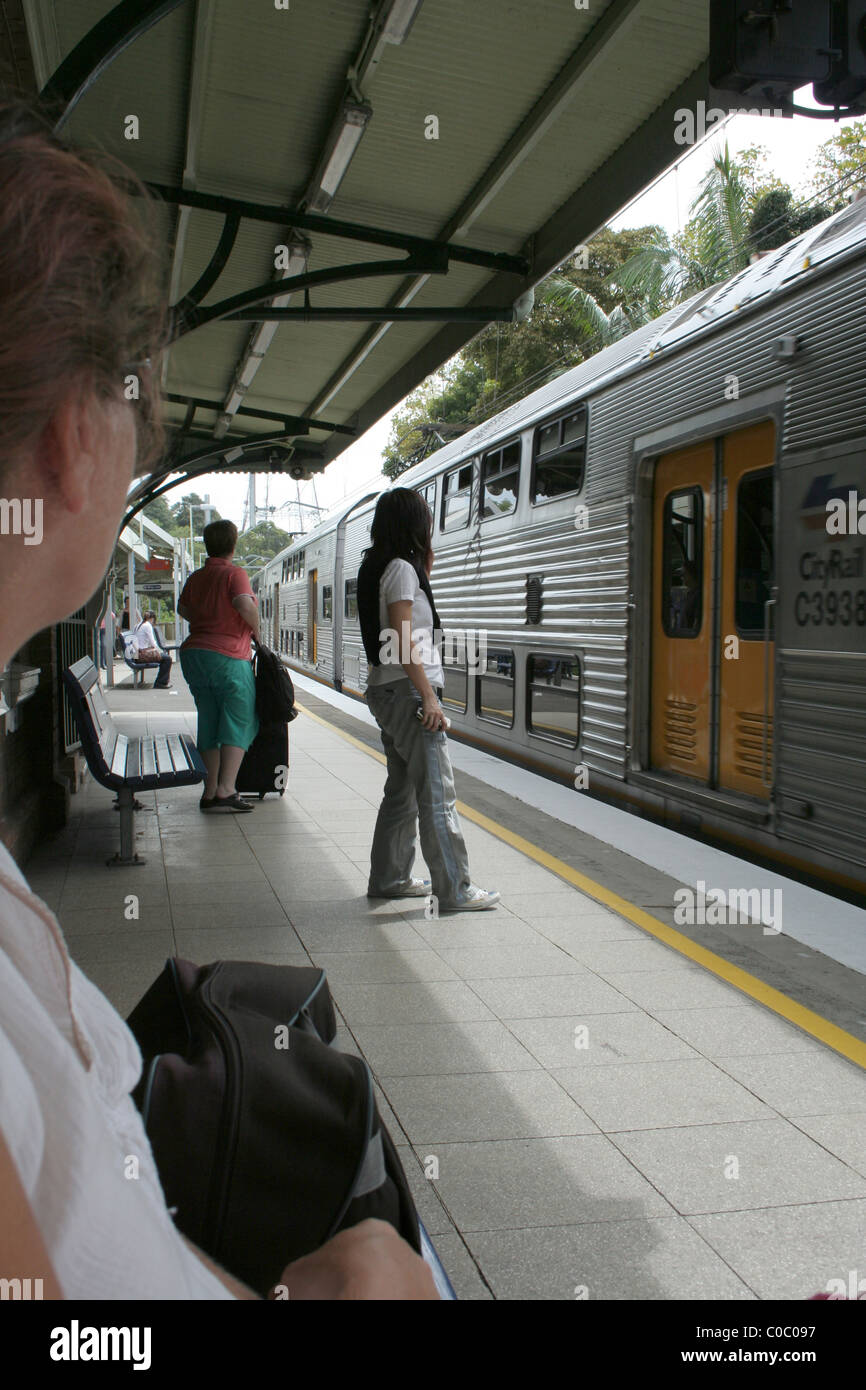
{"type": "Point", "coordinates": [428, 492]}
{"type": "Point", "coordinates": [683, 563]}
{"type": "Point", "coordinates": [500, 477]}
{"type": "Point", "coordinates": [350, 602]}
{"type": "Point", "coordinates": [457, 497]}
{"type": "Point", "coordinates": [300, 644]}
{"type": "Point", "coordinates": [755, 561]}
{"type": "Point", "coordinates": [327, 602]}
{"type": "Point", "coordinates": [302, 560]}
{"type": "Point", "coordinates": [454, 665]}
{"type": "Point", "coordinates": [495, 687]}
{"type": "Point", "coordinates": [559, 456]}
{"type": "Point", "coordinates": [553, 697]}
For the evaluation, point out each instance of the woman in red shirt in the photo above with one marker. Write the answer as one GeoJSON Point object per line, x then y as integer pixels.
{"type": "Point", "coordinates": [218, 603]}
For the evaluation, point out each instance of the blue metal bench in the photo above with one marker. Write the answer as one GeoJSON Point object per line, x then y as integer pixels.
{"type": "Point", "coordinates": [138, 668]}
{"type": "Point", "coordinates": [444, 1287]}
{"type": "Point", "coordinates": [126, 765]}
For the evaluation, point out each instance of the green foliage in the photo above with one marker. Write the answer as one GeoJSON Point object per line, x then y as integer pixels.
{"type": "Point", "coordinates": [266, 540]}
{"type": "Point", "coordinates": [158, 511]}
{"type": "Point", "coordinates": [776, 219]}
{"type": "Point", "coordinates": [843, 156]}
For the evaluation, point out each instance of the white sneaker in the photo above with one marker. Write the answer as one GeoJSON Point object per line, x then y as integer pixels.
{"type": "Point", "coordinates": [476, 900]}
{"type": "Point", "coordinates": [415, 888]}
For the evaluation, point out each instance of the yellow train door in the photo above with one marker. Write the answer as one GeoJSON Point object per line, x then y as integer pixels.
{"type": "Point", "coordinates": [711, 690]}
{"type": "Point", "coordinates": [682, 611]}
{"type": "Point", "coordinates": [746, 633]}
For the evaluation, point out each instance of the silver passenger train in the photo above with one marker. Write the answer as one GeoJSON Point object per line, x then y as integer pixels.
{"type": "Point", "coordinates": [652, 571]}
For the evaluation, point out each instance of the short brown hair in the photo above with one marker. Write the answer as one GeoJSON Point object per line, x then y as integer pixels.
{"type": "Point", "coordinates": [220, 538]}
{"type": "Point", "coordinates": [81, 292]}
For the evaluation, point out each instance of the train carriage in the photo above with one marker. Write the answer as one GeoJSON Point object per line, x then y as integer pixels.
{"type": "Point", "coordinates": [652, 571]}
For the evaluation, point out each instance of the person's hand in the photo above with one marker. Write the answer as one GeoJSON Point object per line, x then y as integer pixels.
{"type": "Point", "coordinates": [368, 1261]}
{"type": "Point", "coordinates": [434, 715]}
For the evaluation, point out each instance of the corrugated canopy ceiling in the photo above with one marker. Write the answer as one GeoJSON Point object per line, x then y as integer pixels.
{"type": "Point", "coordinates": [514, 128]}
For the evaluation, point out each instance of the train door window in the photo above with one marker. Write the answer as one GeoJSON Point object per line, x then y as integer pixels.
{"type": "Point", "coordinates": [500, 477]}
{"type": "Point", "coordinates": [553, 697]}
{"type": "Point", "coordinates": [755, 563]}
{"type": "Point", "coordinates": [457, 497]}
{"type": "Point", "coordinates": [350, 604]}
{"type": "Point", "coordinates": [495, 688]}
{"type": "Point", "coordinates": [327, 602]}
{"type": "Point", "coordinates": [559, 456]}
{"type": "Point", "coordinates": [683, 563]}
{"type": "Point", "coordinates": [454, 666]}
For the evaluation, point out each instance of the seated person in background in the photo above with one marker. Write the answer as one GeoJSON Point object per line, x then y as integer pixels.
{"type": "Point", "coordinates": [148, 647]}
{"type": "Point", "coordinates": [78, 289]}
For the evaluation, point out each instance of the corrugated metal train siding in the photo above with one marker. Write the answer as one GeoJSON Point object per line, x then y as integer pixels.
{"type": "Point", "coordinates": [821, 750]}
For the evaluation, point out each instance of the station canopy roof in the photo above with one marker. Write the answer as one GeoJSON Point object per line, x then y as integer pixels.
{"type": "Point", "coordinates": [423, 163]}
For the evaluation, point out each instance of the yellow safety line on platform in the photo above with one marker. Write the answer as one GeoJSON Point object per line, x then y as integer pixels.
{"type": "Point", "coordinates": [818, 1027]}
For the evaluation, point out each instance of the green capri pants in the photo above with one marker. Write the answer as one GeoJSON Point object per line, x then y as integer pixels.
{"type": "Point", "coordinates": [224, 690]}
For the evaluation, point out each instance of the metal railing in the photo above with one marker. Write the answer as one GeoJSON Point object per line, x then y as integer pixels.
{"type": "Point", "coordinates": [73, 642]}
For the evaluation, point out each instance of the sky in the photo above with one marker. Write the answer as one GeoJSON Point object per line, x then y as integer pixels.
{"type": "Point", "coordinates": [791, 144]}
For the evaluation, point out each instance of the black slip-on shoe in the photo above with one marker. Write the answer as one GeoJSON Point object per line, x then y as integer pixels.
{"type": "Point", "coordinates": [231, 803]}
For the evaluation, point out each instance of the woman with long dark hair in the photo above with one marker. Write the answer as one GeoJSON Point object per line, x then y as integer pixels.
{"type": "Point", "coordinates": [401, 632]}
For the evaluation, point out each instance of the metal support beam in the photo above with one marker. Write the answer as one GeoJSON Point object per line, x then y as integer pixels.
{"type": "Point", "coordinates": [98, 49]}
{"type": "Point", "coordinates": [432, 262]}
{"type": "Point", "coordinates": [350, 231]}
{"type": "Point", "coordinates": [386, 315]}
{"type": "Point", "coordinates": [301, 423]}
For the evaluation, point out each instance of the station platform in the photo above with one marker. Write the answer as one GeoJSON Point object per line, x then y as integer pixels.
{"type": "Point", "coordinates": [589, 1102]}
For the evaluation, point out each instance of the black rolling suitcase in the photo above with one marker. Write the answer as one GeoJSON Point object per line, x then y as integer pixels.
{"type": "Point", "coordinates": [265, 767]}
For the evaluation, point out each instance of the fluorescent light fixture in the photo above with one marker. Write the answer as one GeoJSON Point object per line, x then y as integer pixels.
{"type": "Point", "coordinates": [233, 455]}
{"type": "Point", "coordinates": [249, 369]}
{"type": "Point", "coordinates": [342, 143]}
{"type": "Point", "coordinates": [399, 20]}
{"type": "Point", "coordinates": [263, 337]}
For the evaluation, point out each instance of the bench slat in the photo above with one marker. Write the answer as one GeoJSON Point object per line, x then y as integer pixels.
{"type": "Point", "coordinates": [133, 760]}
{"type": "Point", "coordinates": [178, 753]}
{"type": "Point", "coordinates": [148, 758]}
{"type": "Point", "coordinates": [118, 761]}
{"type": "Point", "coordinates": [163, 756]}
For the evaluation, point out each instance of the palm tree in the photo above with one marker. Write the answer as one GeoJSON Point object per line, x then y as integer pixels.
{"type": "Point", "coordinates": [713, 247]}
{"type": "Point", "coordinates": [590, 319]}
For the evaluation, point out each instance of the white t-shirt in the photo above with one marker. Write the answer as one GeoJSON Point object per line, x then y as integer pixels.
{"type": "Point", "coordinates": [399, 581]}
{"type": "Point", "coordinates": [145, 638]}
{"type": "Point", "coordinates": [67, 1065]}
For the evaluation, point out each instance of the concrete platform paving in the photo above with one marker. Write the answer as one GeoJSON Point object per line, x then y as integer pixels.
{"type": "Point", "coordinates": [582, 1112]}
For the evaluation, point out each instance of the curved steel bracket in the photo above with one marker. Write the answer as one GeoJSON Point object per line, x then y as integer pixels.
{"type": "Point", "coordinates": [98, 49]}
{"type": "Point", "coordinates": [209, 276]}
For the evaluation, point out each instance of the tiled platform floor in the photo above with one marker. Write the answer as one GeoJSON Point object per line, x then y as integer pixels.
{"type": "Point", "coordinates": [606, 1119]}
